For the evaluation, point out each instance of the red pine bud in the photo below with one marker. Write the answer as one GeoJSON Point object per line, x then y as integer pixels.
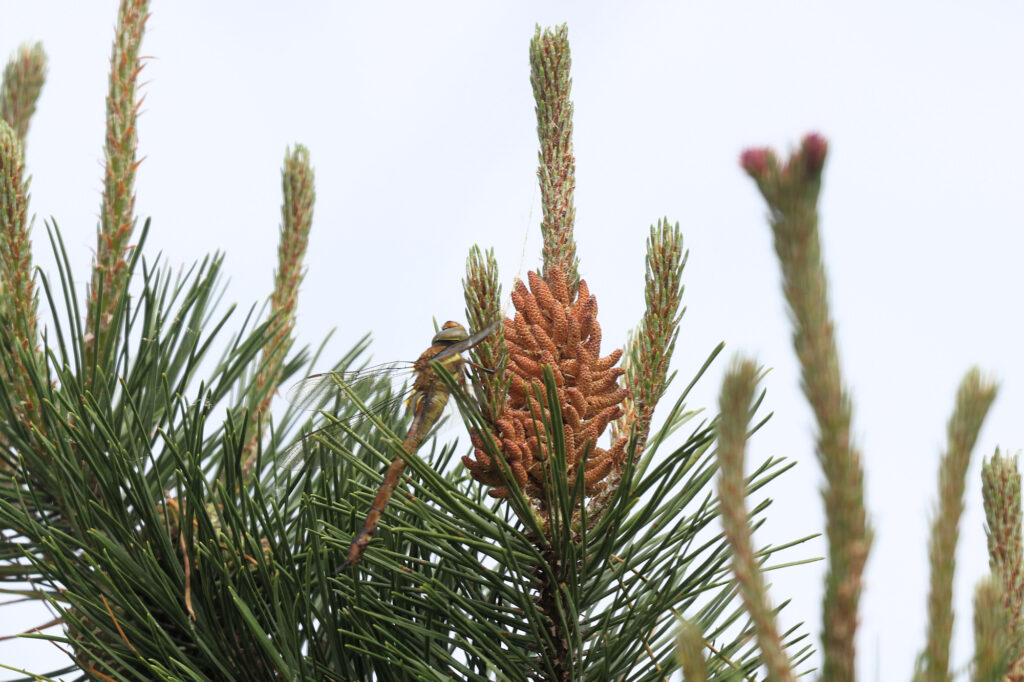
{"type": "Point", "coordinates": [813, 148]}
{"type": "Point", "coordinates": [756, 161]}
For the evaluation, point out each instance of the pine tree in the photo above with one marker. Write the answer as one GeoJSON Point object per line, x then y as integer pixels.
{"type": "Point", "coordinates": [146, 498]}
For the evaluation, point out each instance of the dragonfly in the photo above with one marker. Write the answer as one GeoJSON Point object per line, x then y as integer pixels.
{"type": "Point", "coordinates": [427, 401]}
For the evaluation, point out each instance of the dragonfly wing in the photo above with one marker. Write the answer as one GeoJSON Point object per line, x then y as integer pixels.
{"type": "Point", "coordinates": [378, 386]}
{"type": "Point", "coordinates": [387, 409]}
{"type": "Point", "coordinates": [320, 390]}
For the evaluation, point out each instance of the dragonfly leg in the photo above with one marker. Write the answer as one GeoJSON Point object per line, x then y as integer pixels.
{"type": "Point", "coordinates": [488, 370]}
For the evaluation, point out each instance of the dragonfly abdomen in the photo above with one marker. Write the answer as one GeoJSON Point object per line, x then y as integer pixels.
{"type": "Point", "coordinates": [365, 534]}
{"type": "Point", "coordinates": [428, 407]}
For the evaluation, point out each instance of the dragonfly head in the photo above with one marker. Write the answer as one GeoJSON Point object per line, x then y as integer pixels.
{"type": "Point", "coordinates": [451, 332]}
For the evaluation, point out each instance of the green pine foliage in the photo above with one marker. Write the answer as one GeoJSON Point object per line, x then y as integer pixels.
{"type": "Point", "coordinates": [122, 481]}
{"type": "Point", "coordinates": [446, 589]}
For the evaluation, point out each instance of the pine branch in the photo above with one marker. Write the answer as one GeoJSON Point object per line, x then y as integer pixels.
{"type": "Point", "coordinates": [148, 544]}
{"type": "Point", "coordinates": [634, 565]}
{"type": "Point", "coordinates": [483, 306]}
{"type": "Point", "coordinates": [737, 398]}
{"type": "Point", "coordinates": [1000, 492]}
{"type": "Point", "coordinates": [296, 219]}
{"type": "Point", "coordinates": [994, 637]}
{"type": "Point", "coordinates": [649, 350]}
{"type": "Point", "coordinates": [973, 400]}
{"type": "Point", "coordinates": [791, 191]}
{"type": "Point", "coordinates": [690, 652]}
{"type": "Point", "coordinates": [19, 302]}
{"type": "Point", "coordinates": [117, 214]}
{"type": "Point", "coordinates": [550, 64]}
{"type": "Point", "coordinates": [23, 80]}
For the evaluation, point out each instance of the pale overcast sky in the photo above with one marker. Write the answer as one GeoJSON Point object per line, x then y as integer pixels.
{"type": "Point", "coordinates": [419, 120]}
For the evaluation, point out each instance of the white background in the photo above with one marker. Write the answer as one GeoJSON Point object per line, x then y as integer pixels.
{"type": "Point", "coordinates": [419, 119]}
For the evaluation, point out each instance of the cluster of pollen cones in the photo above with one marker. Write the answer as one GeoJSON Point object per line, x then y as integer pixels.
{"type": "Point", "coordinates": [553, 328]}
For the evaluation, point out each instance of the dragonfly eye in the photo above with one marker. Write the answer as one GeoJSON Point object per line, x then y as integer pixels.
{"type": "Point", "coordinates": [451, 332]}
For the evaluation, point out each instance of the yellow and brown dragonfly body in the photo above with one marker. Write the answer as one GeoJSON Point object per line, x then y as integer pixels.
{"type": "Point", "coordinates": [426, 403]}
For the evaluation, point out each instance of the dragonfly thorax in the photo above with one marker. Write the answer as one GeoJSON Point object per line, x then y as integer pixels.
{"type": "Point", "coordinates": [428, 384]}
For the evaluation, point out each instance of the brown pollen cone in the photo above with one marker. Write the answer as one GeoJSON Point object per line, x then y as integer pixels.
{"type": "Point", "coordinates": [552, 329]}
